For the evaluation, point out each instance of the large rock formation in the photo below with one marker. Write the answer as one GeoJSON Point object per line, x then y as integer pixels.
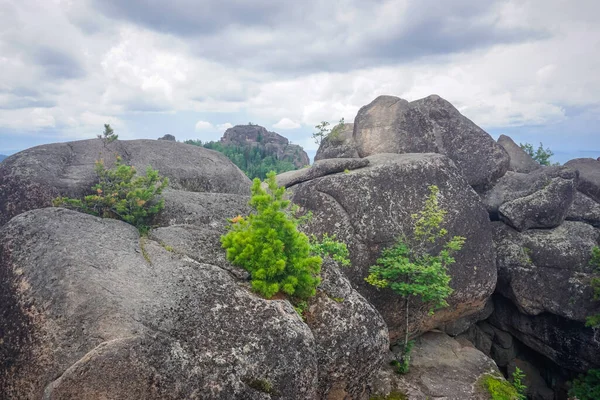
{"type": "Point", "coordinates": [91, 310]}
{"type": "Point", "coordinates": [32, 178]}
{"type": "Point", "coordinates": [589, 176]}
{"type": "Point", "coordinates": [371, 207]}
{"type": "Point", "coordinates": [271, 142]}
{"type": "Point", "coordinates": [520, 161]}
{"type": "Point", "coordinates": [339, 144]}
{"type": "Point", "coordinates": [393, 125]}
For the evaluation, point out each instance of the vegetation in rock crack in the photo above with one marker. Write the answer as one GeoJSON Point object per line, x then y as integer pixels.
{"type": "Point", "coordinates": [330, 246]}
{"type": "Point", "coordinates": [120, 194]}
{"type": "Point", "coordinates": [323, 131]}
{"type": "Point", "coordinates": [593, 321]}
{"type": "Point", "coordinates": [517, 381]}
{"type": "Point", "coordinates": [498, 388]}
{"type": "Point", "coordinates": [394, 395]}
{"type": "Point", "coordinates": [255, 162]}
{"type": "Point", "coordinates": [412, 269]}
{"type": "Point", "coordinates": [586, 386]}
{"type": "Point", "coordinates": [540, 155]}
{"type": "Point", "coordinates": [268, 244]}
{"type": "Point", "coordinates": [108, 136]}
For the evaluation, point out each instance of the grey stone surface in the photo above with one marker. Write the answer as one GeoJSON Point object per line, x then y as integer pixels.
{"type": "Point", "coordinates": [91, 310]}
{"type": "Point", "coordinates": [441, 368]}
{"type": "Point", "coordinates": [520, 161]}
{"type": "Point", "coordinates": [369, 208]}
{"type": "Point", "coordinates": [589, 176]}
{"type": "Point", "coordinates": [32, 178]}
{"type": "Point", "coordinates": [547, 270]}
{"type": "Point", "coordinates": [339, 145]}
{"type": "Point", "coordinates": [584, 209]}
{"type": "Point", "coordinates": [566, 342]}
{"type": "Point", "coordinates": [430, 125]}
{"type": "Point", "coordinates": [515, 185]}
{"type": "Point", "coordinates": [320, 168]}
{"type": "Point", "coordinates": [546, 208]}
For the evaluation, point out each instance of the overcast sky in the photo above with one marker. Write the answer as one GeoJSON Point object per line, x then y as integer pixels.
{"type": "Point", "coordinates": [192, 68]}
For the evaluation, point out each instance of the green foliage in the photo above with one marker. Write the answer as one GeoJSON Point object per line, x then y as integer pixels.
{"type": "Point", "coordinates": [256, 162]}
{"type": "Point", "coordinates": [269, 246]}
{"type": "Point", "coordinates": [108, 136]}
{"type": "Point", "coordinates": [262, 385]}
{"type": "Point", "coordinates": [323, 131]}
{"type": "Point", "coordinates": [120, 194]}
{"type": "Point", "coordinates": [330, 246]}
{"type": "Point", "coordinates": [593, 321]}
{"type": "Point", "coordinates": [394, 395]}
{"type": "Point", "coordinates": [409, 270]}
{"type": "Point", "coordinates": [540, 155]}
{"type": "Point", "coordinates": [517, 378]}
{"type": "Point", "coordinates": [498, 388]}
{"type": "Point", "coordinates": [403, 364]}
{"type": "Point", "coordinates": [587, 386]}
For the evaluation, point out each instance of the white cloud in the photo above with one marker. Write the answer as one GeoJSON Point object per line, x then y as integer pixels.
{"type": "Point", "coordinates": [202, 125]}
{"type": "Point", "coordinates": [225, 126]}
{"type": "Point", "coordinates": [286, 123]}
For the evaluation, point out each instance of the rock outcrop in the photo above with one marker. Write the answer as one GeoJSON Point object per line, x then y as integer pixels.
{"type": "Point", "coordinates": [371, 207]}
{"type": "Point", "coordinates": [32, 178]}
{"type": "Point", "coordinates": [320, 168]}
{"type": "Point", "coordinates": [340, 144]}
{"type": "Point", "coordinates": [430, 125]}
{"type": "Point", "coordinates": [152, 318]}
{"type": "Point", "coordinates": [589, 176]}
{"type": "Point", "coordinates": [441, 367]}
{"type": "Point", "coordinates": [271, 142]}
{"type": "Point", "coordinates": [520, 161]}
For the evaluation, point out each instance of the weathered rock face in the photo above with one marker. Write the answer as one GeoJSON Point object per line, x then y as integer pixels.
{"type": "Point", "coordinates": [547, 270]}
{"type": "Point", "coordinates": [274, 143]}
{"type": "Point", "coordinates": [392, 125]}
{"type": "Point", "coordinates": [33, 177]}
{"type": "Point", "coordinates": [546, 208]}
{"type": "Point", "coordinates": [320, 168]}
{"type": "Point", "coordinates": [441, 367]}
{"type": "Point", "coordinates": [339, 145]}
{"type": "Point", "coordinates": [566, 342]}
{"type": "Point", "coordinates": [514, 185]}
{"type": "Point", "coordinates": [351, 337]}
{"type": "Point", "coordinates": [589, 176]}
{"type": "Point", "coordinates": [584, 209]}
{"type": "Point", "coordinates": [369, 208]}
{"type": "Point", "coordinates": [147, 320]}
{"type": "Point", "coordinates": [520, 161]}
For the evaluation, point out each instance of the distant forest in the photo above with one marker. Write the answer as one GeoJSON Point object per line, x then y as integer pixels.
{"type": "Point", "coordinates": [254, 161]}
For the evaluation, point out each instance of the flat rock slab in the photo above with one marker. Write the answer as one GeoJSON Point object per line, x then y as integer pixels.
{"type": "Point", "coordinates": [319, 169]}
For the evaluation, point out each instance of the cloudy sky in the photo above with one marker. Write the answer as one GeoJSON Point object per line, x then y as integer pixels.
{"type": "Point", "coordinates": [192, 68]}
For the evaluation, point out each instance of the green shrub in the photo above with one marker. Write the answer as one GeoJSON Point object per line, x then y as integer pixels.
{"type": "Point", "coordinates": [517, 378]}
{"type": "Point", "coordinates": [587, 386]}
{"type": "Point", "coordinates": [269, 246]}
{"type": "Point", "coordinates": [120, 194]}
{"type": "Point", "coordinates": [108, 136]}
{"type": "Point", "coordinates": [593, 321]}
{"type": "Point", "coordinates": [410, 269]}
{"type": "Point", "coordinates": [394, 395]}
{"type": "Point", "coordinates": [498, 388]}
{"type": "Point", "coordinates": [540, 155]}
{"type": "Point", "coordinates": [330, 246]}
